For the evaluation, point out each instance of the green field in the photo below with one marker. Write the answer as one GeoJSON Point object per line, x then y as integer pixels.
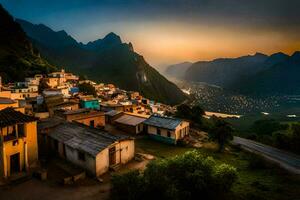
{"type": "Point", "coordinates": [266, 183]}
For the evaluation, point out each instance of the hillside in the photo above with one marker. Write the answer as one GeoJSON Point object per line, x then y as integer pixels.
{"type": "Point", "coordinates": [178, 70]}
{"type": "Point", "coordinates": [280, 79]}
{"type": "Point", "coordinates": [226, 72]}
{"type": "Point", "coordinates": [106, 60]}
{"type": "Point", "coordinates": [18, 57]}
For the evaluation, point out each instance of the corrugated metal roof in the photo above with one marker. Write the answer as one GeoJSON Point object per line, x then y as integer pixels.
{"type": "Point", "coordinates": [130, 120]}
{"type": "Point", "coordinates": [163, 122]}
{"type": "Point", "coordinates": [113, 113]}
{"type": "Point", "coordinates": [83, 138]}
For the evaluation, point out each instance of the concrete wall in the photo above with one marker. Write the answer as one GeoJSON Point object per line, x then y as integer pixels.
{"type": "Point", "coordinates": [182, 130]}
{"type": "Point", "coordinates": [14, 105]}
{"type": "Point", "coordinates": [125, 151]}
{"type": "Point", "coordinates": [99, 120]}
{"type": "Point", "coordinates": [89, 164]}
{"type": "Point", "coordinates": [31, 139]}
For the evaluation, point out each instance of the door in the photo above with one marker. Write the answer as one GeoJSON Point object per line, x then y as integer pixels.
{"type": "Point", "coordinates": [92, 123]}
{"type": "Point", "coordinates": [15, 163]}
{"type": "Point", "coordinates": [112, 155]}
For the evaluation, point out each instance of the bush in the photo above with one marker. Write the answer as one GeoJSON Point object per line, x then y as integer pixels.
{"type": "Point", "coordinates": [134, 186]}
{"type": "Point", "coordinates": [188, 176]}
{"type": "Point", "coordinates": [257, 162]}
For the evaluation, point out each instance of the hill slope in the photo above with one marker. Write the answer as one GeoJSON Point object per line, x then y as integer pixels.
{"type": "Point", "coordinates": [18, 57]}
{"type": "Point", "coordinates": [107, 60]}
{"type": "Point", "coordinates": [281, 78]}
{"type": "Point", "coordinates": [178, 70]}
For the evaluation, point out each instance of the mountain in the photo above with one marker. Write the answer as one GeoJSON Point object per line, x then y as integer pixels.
{"type": "Point", "coordinates": [107, 60]}
{"type": "Point", "coordinates": [225, 71]}
{"type": "Point", "coordinates": [280, 79]}
{"type": "Point", "coordinates": [178, 70]}
{"type": "Point", "coordinates": [18, 57]}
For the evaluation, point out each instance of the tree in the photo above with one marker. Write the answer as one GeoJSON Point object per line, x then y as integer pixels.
{"type": "Point", "coordinates": [87, 89]}
{"type": "Point", "coordinates": [221, 132]}
{"type": "Point", "coordinates": [195, 113]}
{"type": "Point", "coordinates": [183, 111]}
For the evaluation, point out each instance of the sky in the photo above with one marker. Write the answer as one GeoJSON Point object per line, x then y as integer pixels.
{"type": "Point", "coordinates": [172, 31]}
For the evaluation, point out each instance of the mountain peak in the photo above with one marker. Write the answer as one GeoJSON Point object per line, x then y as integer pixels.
{"type": "Point", "coordinates": [112, 37]}
{"type": "Point", "coordinates": [296, 55]}
{"type": "Point", "coordinates": [259, 54]}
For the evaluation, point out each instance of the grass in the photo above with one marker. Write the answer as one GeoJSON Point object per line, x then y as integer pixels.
{"type": "Point", "coordinates": [266, 183]}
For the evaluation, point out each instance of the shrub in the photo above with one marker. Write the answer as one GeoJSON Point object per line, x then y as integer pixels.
{"type": "Point", "coordinates": [128, 186]}
{"type": "Point", "coordinates": [188, 176]}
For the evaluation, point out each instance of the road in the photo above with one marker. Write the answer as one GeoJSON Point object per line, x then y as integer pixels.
{"type": "Point", "coordinates": [287, 160]}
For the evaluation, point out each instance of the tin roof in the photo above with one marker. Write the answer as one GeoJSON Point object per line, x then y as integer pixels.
{"type": "Point", "coordinates": [163, 122]}
{"type": "Point", "coordinates": [84, 138]}
{"type": "Point", "coordinates": [113, 113]}
{"type": "Point", "coordinates": [9, 116]}
{"type": "Point", "coordinates": [130, 120]}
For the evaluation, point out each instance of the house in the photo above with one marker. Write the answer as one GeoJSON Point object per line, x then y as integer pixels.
{"type": "Point", "coordinates": [7, 102]}
{"type": "Point", "coordinates": [91, 149]}
{"type": "Point", "coordinates": [92, 118]}
{"type": "Point", "coordinates": [90, 102]}
{"type": "Point", "coordinates": [57, 102]}
{"type": "Point", "coordinates": [130, 123]}
{"type": "Point", "coordinates": [166, 129]}
{"type": "Point", "coordinates": [18, 144]}
{"type": "Point", "coordinates": [112, 115]}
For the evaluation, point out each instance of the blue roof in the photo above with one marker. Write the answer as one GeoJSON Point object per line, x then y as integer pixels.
{"type": "Point", "coordinates": [163, 122]}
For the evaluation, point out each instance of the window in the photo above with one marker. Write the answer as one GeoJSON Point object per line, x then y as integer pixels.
{"type": "Point", "coordinates": [158, 132]}
{"type": "Point", "coordinates": [81, 156]}
{"type": "Point", "coordinates": [169, 134]}
{"type": "Point", "coordinates": [21, 131]}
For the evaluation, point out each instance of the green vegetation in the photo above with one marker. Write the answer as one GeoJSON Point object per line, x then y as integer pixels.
{"type": "Point", "coordinates": [87, 89]}
{"type": "Point", "coordinates": [18, 58]}
{"type": "Point", "coordinates": [256, 178]}
{"type": "Point", "coordinates": [194, 113]}
{"type": "Point", "coordinates": [186, 176]}
{"type": "Point", "coordinates": [267, 126]}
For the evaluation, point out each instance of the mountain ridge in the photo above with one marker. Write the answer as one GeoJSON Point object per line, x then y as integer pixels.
{"type": "Point", "coordinates": [18, 56]}
{"type": "Point", "coordinates": [107, 60]}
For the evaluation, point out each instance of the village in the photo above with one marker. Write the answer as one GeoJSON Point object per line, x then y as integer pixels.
{"type": "Point", "coordinates": [47, 117]}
